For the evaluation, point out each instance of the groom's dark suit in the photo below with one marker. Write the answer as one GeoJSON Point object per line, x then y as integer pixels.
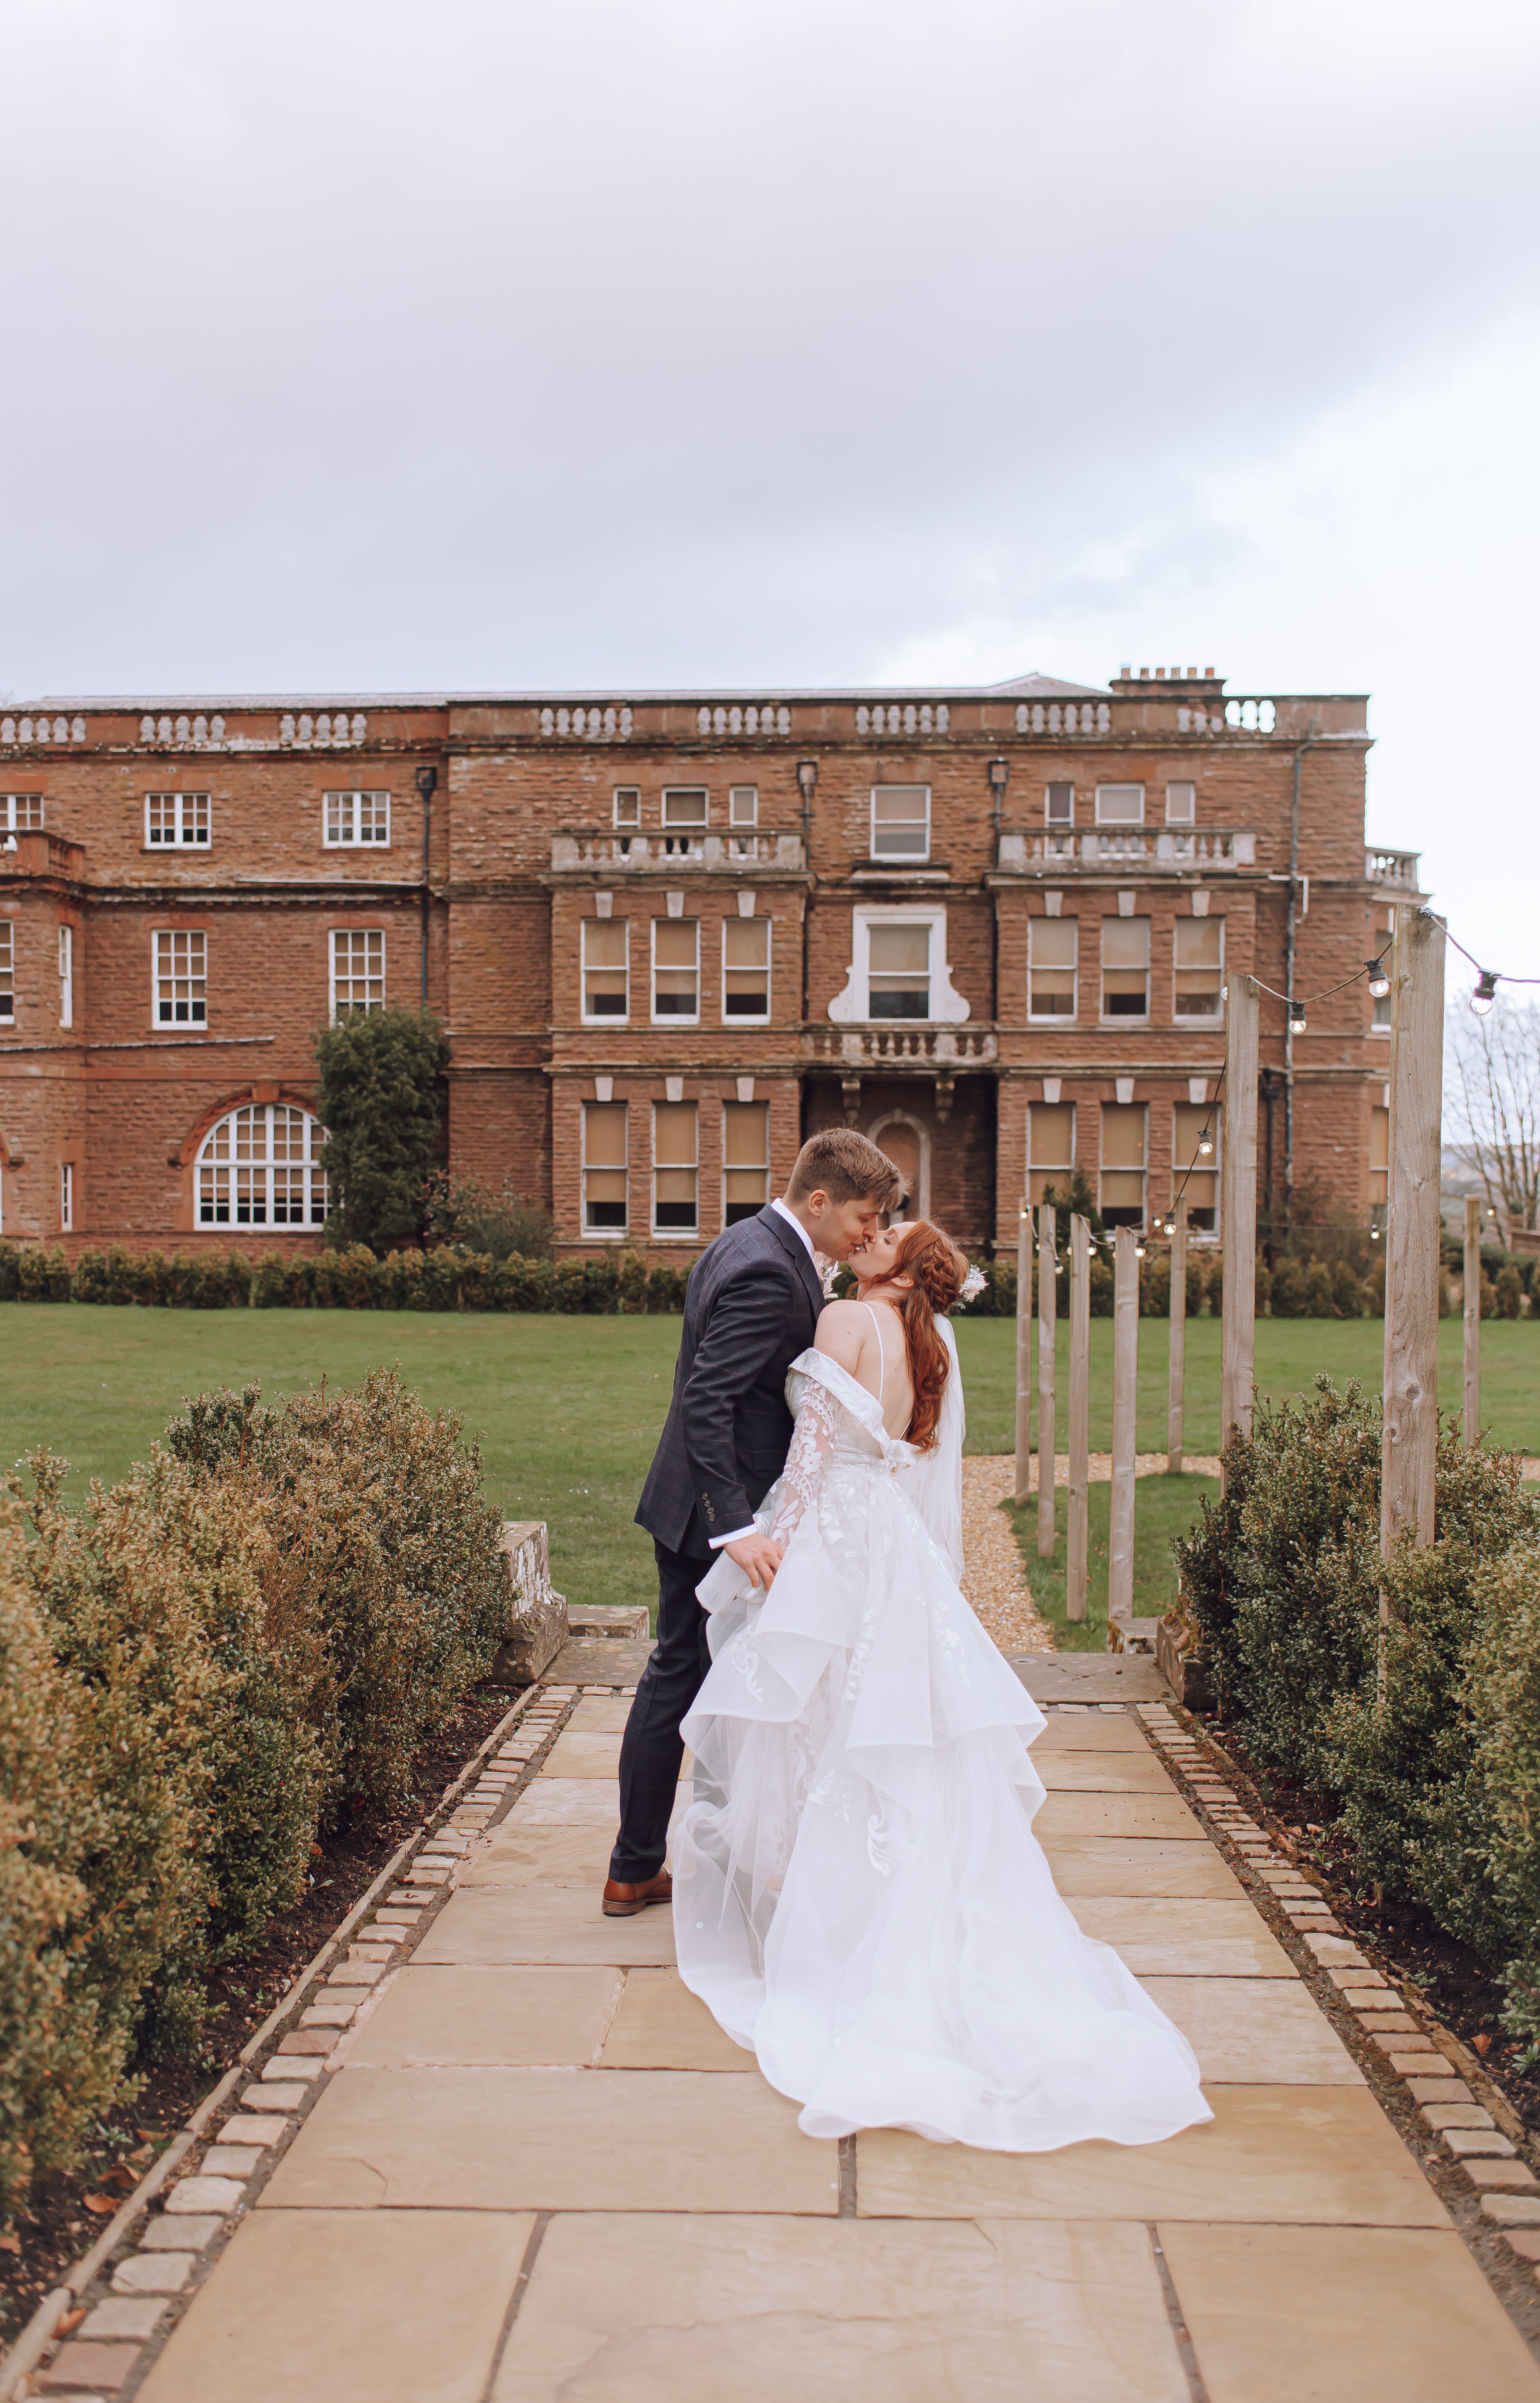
{"type": "Point", "coordinates": [750, 1306]}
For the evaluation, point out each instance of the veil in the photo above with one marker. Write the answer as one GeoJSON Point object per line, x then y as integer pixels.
{"type": "Point", "coordinates": [935, 1483]}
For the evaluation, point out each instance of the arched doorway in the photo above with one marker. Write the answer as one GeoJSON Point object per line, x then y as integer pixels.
{"type": "Point", "coordinates": [907, 1144]}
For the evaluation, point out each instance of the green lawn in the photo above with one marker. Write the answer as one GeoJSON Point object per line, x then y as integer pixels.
{"type": "Point", "coordinates": [1163, 1507]}
{"type": "Point", "coordinates": [567, 1410]}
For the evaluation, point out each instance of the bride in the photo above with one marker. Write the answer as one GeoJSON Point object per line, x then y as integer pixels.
{"type": "Point", "coordinates": [858, 1895]}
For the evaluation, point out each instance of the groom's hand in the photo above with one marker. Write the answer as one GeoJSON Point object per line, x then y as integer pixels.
{"type": "Point", "coordinates": [758, 1558]}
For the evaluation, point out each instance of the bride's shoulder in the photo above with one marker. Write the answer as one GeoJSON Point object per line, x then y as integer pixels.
{"type": "Point", "coordinates": [841, 1326]}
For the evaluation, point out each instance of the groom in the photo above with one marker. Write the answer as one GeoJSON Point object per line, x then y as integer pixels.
{"type": "Point", "coordinates": [750, 1306]}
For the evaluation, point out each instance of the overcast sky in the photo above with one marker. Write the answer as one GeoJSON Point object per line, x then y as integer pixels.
{"type": "Point", "coordinates": [608, 343]}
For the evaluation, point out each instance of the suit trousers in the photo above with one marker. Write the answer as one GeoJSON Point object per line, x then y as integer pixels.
{"type": "Point", "coordinates": [652, 1747]}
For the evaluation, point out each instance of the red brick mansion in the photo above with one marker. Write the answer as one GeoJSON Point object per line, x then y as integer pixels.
{"type": "Point", "coordinates": [669, 934]}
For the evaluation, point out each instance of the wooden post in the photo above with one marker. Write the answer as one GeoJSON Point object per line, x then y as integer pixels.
{"type": "Point", "coordinates": [1024, 1353]}
{"type": "Point", "coordinates": [1176, 1383]}
{"type": "Point", "coordinates": [1238, 1341]}
{"type": "Point", "coordinates": [1410, 1439]}
{"type": "Point", "coordinates": [1047, 1337]}
{"type": "Point", "coordinates": [1076, 1572]}
{"type": "Point", "coordinates": [1473, 1322]}
{"type": "Point", "coordinates": [1125, 1408]}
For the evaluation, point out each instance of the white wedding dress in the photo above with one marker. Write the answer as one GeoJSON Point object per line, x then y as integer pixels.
{"type": "Point", "coordinates": [858, 1895]}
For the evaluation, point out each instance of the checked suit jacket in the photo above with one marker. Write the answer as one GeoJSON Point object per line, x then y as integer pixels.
{"type": "Point", "coordinates": [750, 1306]}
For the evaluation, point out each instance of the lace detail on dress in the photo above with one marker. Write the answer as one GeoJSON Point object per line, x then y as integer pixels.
{"type": "Point", "coordinates": [812, 1443]}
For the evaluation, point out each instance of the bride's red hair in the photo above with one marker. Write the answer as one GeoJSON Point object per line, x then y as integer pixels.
{"type": "Point", "coordinates": [938, 1269]}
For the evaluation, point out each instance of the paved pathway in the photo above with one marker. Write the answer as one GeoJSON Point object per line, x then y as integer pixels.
{"type": "Point", "coordinates": [536, 2170]}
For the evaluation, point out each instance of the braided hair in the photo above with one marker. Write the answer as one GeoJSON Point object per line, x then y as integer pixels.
{"type": "Point", "coordinates": [937, 1268]}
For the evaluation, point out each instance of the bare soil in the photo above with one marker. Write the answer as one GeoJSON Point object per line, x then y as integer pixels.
{"type": "Point", "coordinates": [68, 2213]}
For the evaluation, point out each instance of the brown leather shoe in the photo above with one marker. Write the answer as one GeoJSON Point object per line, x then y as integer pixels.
{"type": "Point", "coordinates": [622, 1901]}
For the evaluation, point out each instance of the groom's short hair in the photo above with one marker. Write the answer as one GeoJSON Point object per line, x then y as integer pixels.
{"type": "Point", "coordinates": [845, 1166]}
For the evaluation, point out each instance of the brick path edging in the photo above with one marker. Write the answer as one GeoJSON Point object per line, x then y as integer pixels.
{"type": "Point", "coordinates": [105, 2350]}
{"type": "Point", "coordinates": [1431, 2086]}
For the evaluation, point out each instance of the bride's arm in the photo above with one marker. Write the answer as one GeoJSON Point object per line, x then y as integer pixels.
{"type": "Point", "coordinates": [811, 1441]}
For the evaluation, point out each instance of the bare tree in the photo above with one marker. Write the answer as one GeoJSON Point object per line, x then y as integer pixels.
{"type": "Point", "coordinates": [1492, 1095]}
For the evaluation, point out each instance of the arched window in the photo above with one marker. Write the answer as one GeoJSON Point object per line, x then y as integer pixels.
{"type": "Point", "coordinates": [260, 1167]}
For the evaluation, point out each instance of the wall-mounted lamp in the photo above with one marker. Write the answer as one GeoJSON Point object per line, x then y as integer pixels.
{"type": "Point", "coordinates": [807, 784]}
{"type": "Point", "coordinates": [427, 784]}
{"type": "Point", "coordinates": [999, 779]}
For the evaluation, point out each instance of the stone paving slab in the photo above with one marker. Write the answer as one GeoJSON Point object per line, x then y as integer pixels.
{"type": "Point", "coordinates": [1256, 2030]}
{"type": "Point", "coordinates": [600, 1715]}
{"type": "Point", "coordinates": [1180, 1938]}
{"type": "Point", "coordinates": [585, 1754]}
{"type": "Point", "coordinates": [1326, 2154]}
{"type": "Point", "coordinates": [1115, 1814]}
{"type": "Point", "coordinates": [649, 2309]}
{"type": "Point", "coordinates": [408, 2309]}
{"type": "Point", "coordinates": [1083, 1771]}
{"type": "Point", "coordinates": [519, 2017]}
{"type": "Point", "coordinates": [1140, 1865]}
{"type": "Point", "coordinates": [502, 1925]}
{"type": "Point", "coordinates": [1364, 2315]}
{"type": "Point", "coordinates": [659, 2024]}
{"type": "Point", "coordinates": [1091, 1676]}
{"type": "Point", "coordinates": [604, 1660]}
{"type": "Point", "coordinates": [522, 1853]}
{"type": "Point", "coordinates": [1096, 1732]}
{"type": "Point", "coordinates": [553, 2140]}
{"type": "Point", "coordinates": [571, 1802]}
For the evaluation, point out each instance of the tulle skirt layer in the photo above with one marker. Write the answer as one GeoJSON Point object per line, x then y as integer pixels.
{"type": "Point", "coordinates": [858, 1894]}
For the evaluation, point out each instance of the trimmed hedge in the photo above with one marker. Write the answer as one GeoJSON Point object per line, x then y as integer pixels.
{"type": "Point", "coordinates": [251, 1632]}
{"type": "Point", "coordinates": [1425, 1732]}
{"type": "Point", "coordinates": [350, 1279]}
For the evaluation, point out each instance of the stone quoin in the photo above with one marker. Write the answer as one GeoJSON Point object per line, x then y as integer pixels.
{"type": "Point", "coordinates": [670, 935]}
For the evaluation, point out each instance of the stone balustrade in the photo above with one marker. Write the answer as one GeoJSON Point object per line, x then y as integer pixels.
{"type": "Point", "coordinates": [1399, 867]}
{"type": "Point", "coordinates": [1162, 850]}
{"type": "Point", "coordinates": [42, 729]}
{"type": "Point", "coordinates": [902, 717]}
{"type": "Point", "coordinates": [597, 722]}
{"type": "Point", "coordinates": [1063, 717]}
{"type": "Point", "coordinates": [630, 854]}
{"type": "Point", "coordinates": [926, 1047]}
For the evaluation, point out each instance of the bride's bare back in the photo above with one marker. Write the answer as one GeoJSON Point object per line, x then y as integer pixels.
{"type": "Point", "coordinates": [867, 1339]}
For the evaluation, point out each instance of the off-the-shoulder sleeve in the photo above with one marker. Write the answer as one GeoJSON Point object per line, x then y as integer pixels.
{"type": "Point", "coordinates": [812, 1440]}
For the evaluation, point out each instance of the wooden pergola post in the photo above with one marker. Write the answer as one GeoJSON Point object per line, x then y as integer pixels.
{"type": "Point", "coordinates": [1176, 1378]}
{"type": "Point", "coordinates": [1125, 1409]}
{"type": "Point", "coordinates": [1238, 1341]}
{"type": "Point", "coordinates": [1023, 1353]}
{"type": "Point", "coordinates": [1410, 1439]}
{"type": "Point", "coordinates": [1077, 1547]}
{"type": "Point", "coordinates": [1048, 1336]}
{"type": "Point", "coordinates": [1473, 1322]}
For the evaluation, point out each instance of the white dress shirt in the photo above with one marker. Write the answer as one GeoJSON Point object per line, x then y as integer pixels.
{"type": "Point", "coordinates": [792, 1220]}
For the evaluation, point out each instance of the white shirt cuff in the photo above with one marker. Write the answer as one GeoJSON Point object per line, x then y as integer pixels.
{"type": "Point", "coordinates": [736, 1537]}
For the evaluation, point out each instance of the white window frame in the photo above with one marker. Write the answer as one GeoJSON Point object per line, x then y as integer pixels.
{"type": "Point", "coordinates": [603, 1234]}
{"type": "Point", "coordinates": [1058, 785]}
{"type": "Point", "coordinates": [675, 1234]}
{"type": "Point", "coordinates": [347, 823]}
{"type": "Point", "coordinates": [851, 1008]}
{"type": "Point", "coordinates": [741, 1167]}
{"type": "Point", "coordinates": [673, 1017]}
{"type": "Point", "coordinates": [1128, 1016]}
{"type": "Point", "coordinates": [1103, 819]}
{"type": "Point", "coordinates": [66, 1197]}
{"type": "Point", "coordinates": [745, 1017]}
{"type": "Point", "coordinates": [686, 792]}
{"type": "Point", "coordinates": [1103, 1171]}
{"type": "Point", "coordinates": [1175, 814]}
{"type": "Point", "coordinates": [743, 805]}
{"type": "Point", "coordinates": [900, 858]}
{"type": "Point", "coordinates": [626, 806]}
{"type": "Point", "coordinates": [340, 942]}
{"type": "Point", "coordinates": [166, 974]}
{"type": "Point", "coordinates": [7, 971]}
{"type": "Point", "coordinates": [1053, 1168]}
{"type": "Point", "coordinates": [239, 1165]}
{"type": "Point", "coordinates": [1054, 1017]}
{"type": "Point", "coordinates": [191, 821]}
{"type": "Point", "coordinates": [67, 975]}
{"type": "Point", "coordinates": [23, 813]}
{"type": "Point", "coordinates": [601, 1018]}
{"type": "Point", "coordinates": [1186, 1017]}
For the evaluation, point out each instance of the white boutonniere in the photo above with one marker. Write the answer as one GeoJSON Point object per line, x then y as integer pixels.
{"type": "Point", "coordinates": [827, 1270]}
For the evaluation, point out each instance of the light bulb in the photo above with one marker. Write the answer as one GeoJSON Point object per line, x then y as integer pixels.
{"type": "Point", "coordinates": [1297, 1018]}
{"type": "Point", "coordinates": [1205, 1143]}
{"type": "Point", "coordinates": [1374, 1234]}
{"type": "Point", "coordinates": [1486, 993]}
{"type": "Point", "coordinates": [1379, 980]}
{"type": "Point", "coordinates": [1139, 1251]}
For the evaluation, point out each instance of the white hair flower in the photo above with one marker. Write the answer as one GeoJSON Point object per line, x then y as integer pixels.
{"type": "Point", "coordinates": [973, 1283]}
